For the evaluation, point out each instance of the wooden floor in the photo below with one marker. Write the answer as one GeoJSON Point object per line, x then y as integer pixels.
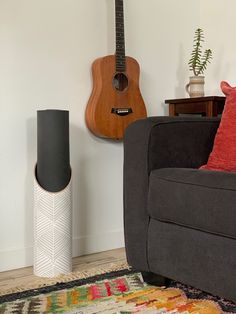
{"type": "Point", "coordinates": [16, 277]}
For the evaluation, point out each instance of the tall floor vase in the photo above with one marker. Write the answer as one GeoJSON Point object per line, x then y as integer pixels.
{"type": "Point", "coordinates": [52, 196]}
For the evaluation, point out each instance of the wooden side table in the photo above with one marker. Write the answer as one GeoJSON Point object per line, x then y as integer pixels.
{"type": "Point", "coordinates": [209, 106]}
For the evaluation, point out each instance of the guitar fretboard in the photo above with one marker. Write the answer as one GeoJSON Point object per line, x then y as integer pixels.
{"type": "Point", "coordinates": [120, 36]}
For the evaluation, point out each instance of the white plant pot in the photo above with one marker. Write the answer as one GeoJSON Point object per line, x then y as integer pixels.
{"type": "Point", "coordinates": [195, 87]}
{"type": "Point", "coordinates": [52, 231]}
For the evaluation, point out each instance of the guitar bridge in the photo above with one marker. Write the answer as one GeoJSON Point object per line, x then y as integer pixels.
{"type": "Point", "coordinates": [121, 111]}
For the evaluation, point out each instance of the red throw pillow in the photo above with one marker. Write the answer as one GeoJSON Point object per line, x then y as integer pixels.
{"type": "Point", "coordinates": [223, 155]}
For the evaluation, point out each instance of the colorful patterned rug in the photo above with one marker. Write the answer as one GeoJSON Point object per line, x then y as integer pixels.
{"type": "Point", "coordinates": [121, 292]}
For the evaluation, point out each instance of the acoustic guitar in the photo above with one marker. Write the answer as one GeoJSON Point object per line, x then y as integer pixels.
{"type": "Point", "coordinates": [116, 100]}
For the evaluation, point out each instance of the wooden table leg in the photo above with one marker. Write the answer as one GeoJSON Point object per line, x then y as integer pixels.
{"type": "Point", "coordinates": [211, 109]}
{"type": "Point", "coordinates": [172, 111]}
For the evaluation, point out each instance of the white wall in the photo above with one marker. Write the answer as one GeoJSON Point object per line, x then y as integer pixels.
{"type": "Point", "coordinates": [218, 21]}
{"type": "Point", "coordinates": [159, 34]}
{"type": "Point", "coordinates": [46, 51]}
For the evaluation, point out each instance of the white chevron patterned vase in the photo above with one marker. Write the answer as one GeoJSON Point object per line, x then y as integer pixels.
{"type": "Point", "coordinates": [52, 231]}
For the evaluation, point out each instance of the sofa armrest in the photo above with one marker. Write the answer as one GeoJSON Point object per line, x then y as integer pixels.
{"type": "Point", "coordinates": [157, 142]}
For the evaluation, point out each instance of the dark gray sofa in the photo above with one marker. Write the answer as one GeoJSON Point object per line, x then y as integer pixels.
{"type": "Point", "coordinates": [179, 222]}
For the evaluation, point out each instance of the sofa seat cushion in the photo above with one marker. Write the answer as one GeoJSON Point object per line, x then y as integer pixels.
{"type": "Point", "coordinates": [199, 199]}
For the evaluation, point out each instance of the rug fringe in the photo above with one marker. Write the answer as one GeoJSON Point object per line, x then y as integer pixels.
{"type": "Point", "coordinates": [39, 282]}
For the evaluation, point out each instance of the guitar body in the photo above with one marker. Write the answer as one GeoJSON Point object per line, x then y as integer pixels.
{"type": "Point", "coordinates": [115, 100]}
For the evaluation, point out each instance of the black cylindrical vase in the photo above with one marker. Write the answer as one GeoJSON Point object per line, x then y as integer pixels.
{"type": "Point", "coordinates": [53, 156]}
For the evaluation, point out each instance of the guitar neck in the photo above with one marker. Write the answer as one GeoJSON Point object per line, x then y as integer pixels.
{"type": "Point", "coordinates": [120, 36]}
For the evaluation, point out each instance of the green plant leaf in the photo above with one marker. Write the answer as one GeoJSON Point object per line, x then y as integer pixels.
{"type": "Point", "coordinates": [198, 62]}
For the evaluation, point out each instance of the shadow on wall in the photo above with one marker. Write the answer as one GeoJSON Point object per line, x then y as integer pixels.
{"type": "Point", "coordinates": [90, 175]}
{"type": "Point", "coordinates": [31, 135]}
{"type": "Point", "coordinates": [110, 30]}
{"type": "Point", "coordinates": [80, 190]}
{"type": "Point", "coordinates": [181, 77]}
{"type": "Point", "coordinates": [221, 70]}
{"type": "Point", "coordinates": [181, 80]}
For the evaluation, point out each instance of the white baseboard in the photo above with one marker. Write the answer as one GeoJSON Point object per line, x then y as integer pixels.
{"type": "Point", "coordinates": [16, 258]}
{"type": "Point", "coordinates": [98, 243]}
{"type": "Point", "coordinates": [23, 257]}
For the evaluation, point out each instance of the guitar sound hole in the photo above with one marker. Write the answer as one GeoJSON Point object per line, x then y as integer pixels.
{"type": "Point", "coordinates": [120, 81]}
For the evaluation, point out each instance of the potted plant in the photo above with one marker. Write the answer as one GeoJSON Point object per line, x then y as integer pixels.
{"type": "Point", "coordinates": [197, 64]}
